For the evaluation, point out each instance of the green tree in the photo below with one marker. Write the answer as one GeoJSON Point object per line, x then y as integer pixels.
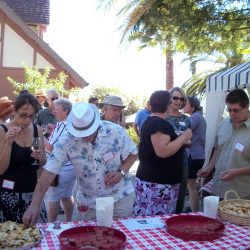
{"type": "Point", "coordinates": [133, 103]}
{"type": "Point", "coordinates": [101, 92]}
{"type": "Point", "coordinates": [190, 26]}
{"type": "Point", "coordinates": [35, 79]}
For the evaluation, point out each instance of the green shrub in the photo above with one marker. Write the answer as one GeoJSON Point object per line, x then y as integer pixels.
{"type": "Point", "coordinates": [133, 135]}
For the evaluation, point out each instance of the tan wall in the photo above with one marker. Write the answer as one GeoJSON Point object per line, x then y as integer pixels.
{"type": "Point", "coordinates": [15, 50]}
{"type": "Point", "coordinates": [42, 63]}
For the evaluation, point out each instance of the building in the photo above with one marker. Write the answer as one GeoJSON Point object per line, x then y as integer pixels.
{"type": "Point", "coordinates": [22, 25]}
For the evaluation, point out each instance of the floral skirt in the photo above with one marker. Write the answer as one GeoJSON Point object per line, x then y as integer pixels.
{"type": "Point", "coordinates": [154, 199]}
{"type": "Point", "coordinates": [13, 205]}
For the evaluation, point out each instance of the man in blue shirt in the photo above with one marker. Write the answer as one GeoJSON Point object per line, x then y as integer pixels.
{"type": "Point", "coordinates": [141, 118]}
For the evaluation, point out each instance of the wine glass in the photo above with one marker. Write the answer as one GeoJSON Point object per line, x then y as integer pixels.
{"type": "Point", "coordinates": [83, 204]}
{"type": "Point", "coordinates": [35, 146]}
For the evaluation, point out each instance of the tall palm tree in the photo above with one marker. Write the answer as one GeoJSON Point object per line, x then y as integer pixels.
{"type": "Point", "coordinates": [141, 24]}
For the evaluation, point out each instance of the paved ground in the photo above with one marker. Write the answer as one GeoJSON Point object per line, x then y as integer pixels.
{"type": "Point", "coordinates": [133, 169]}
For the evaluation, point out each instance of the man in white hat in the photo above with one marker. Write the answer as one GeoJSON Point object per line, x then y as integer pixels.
{"type": "Point", "coordinates": [112, 109]}
{"type": "Point", "coordinates": [101, 153]}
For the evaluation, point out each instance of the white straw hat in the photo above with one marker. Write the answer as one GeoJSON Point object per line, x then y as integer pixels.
{"type": "Point", "coordinates": [83, 120]}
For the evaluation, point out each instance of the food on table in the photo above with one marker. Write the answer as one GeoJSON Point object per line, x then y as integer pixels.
{"type": "Point", "coordinates": [236, 208]}
{"type": "Point", "coordinates": [194, 227]}
{"type": "Point", "coordinates": [14, 235]}
{"type": "Point", "coordinates": [197, 227]}
{"type": "Point", "coordinates": [96, 237]}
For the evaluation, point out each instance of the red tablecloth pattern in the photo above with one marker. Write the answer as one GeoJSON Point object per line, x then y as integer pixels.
{"type": "Point", "coordinates": [235, 237]}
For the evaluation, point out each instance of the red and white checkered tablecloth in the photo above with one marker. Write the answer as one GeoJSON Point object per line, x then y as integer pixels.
{"type": "Point", "coordinates": [235, 237]}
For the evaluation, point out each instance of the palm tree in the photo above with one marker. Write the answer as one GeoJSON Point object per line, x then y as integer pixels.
{"type": "Point", "coordinates": [141, 24]}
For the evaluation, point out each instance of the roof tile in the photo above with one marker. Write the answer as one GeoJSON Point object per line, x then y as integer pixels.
{"type": "Point", "coordinates": [31, 11]}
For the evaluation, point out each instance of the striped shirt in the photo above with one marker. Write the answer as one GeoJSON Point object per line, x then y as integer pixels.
{"type": "Point", "coordinates": [59, 130]}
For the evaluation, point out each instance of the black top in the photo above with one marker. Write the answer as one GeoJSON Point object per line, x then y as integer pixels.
{"type": "Point", "coordinates": [153, 168]}
{"type": "Point", "coordinates": [20, 169]}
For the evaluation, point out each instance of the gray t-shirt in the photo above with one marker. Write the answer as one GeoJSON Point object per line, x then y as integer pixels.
{"type": "Point", "coordinates": [198, 126]}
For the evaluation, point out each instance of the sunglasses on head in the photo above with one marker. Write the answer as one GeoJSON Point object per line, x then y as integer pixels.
{"type": "Point", "coordinates": [54, 98]}
{"type": "Point", "coordinates": [176, 98]}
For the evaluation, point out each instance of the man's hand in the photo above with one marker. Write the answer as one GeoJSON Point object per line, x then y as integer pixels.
{"type": "Point", "coordinates": [112, 178]}
{"type": "Point", "coordinates": [30, 216]}
{"type": "Point", "coordinates": [229, 174]}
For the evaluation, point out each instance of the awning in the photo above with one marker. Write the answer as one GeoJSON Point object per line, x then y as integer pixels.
{"type": "Point", "coordinates": [237, 76]}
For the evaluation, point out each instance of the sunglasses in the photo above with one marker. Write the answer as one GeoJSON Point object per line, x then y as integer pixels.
{"type": "Point", "coordinates": [24, 116]}
{"type": "Point", "coordinates": [176, 98]}
{"type": "Point", "coordinates": [54, 98]}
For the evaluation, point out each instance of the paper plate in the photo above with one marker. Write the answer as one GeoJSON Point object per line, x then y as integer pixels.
{"type": "Point", "coordinates": [195, 227]}
{"type": "Point", "coordinates": [92, 237]}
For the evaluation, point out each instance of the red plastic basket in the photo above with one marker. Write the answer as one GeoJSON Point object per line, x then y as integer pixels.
{"type": "Point", "coordinates": [92, 237]}
{"type": "Point", "coordinates": [195, 227]}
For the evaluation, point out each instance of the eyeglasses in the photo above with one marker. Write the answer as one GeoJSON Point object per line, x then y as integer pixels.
{"type": "Point", "coordinates": [54, 98]}
{"type": "Point", "coordinates": [25, 116]}
{"type": "Point", "coordinates": [236, 111]}
{"type": "Point", "coordinates": [176, 98]}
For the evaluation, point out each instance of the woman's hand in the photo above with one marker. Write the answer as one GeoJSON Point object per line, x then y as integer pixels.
{"type": "Point", "coordinates": [187, 134]}
{"type": "Point", "coordinates": [37, 154]}
{"type": "Point", "coordinates": [11, 134]}
{"type": "Point", "coordinates": [204, 172]}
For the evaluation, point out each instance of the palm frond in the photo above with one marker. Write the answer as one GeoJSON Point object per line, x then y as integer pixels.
{"type": "Point", "coordinates": [136, 15]}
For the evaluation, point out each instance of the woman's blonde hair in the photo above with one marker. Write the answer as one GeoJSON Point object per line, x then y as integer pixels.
{"type": "Point", "coordinates": [181, 91]}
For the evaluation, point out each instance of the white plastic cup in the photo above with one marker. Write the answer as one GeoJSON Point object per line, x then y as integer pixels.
{"type": "Point", "coordinates": [104, 211]}
{"type": "Point", "coordinates": [211, 204]}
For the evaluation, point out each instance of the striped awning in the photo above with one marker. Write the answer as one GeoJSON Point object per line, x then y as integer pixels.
{"type": "Point", "coordinates": [237, 76]}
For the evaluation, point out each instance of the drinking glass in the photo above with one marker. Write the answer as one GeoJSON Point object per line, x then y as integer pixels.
{"type": "Point", "coordinates": [83, 204]}
{"type": "Point", "coordinates": [35, 146]}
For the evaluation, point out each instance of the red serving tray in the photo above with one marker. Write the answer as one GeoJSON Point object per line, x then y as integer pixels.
{"type": "Point", "coordinates": [195, 227]}
{"type": "Point", "coordinates": [92, 237]}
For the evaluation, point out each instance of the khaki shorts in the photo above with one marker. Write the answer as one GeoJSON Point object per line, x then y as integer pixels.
{"type": "Point", "coordinates": [122, 208]}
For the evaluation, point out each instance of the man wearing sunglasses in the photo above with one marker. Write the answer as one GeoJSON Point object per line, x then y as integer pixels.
{"type": "Point", "coordinates": [231, 157]}
{"type": "Point", "coordinates": [45, 116]}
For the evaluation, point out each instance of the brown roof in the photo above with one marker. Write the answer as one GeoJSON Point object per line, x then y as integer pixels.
{"type": "Point", "coordinates": [31, 11]}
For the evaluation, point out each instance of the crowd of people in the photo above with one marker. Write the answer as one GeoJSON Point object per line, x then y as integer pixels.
{"type": "Point", "coordinates": [82, 148]}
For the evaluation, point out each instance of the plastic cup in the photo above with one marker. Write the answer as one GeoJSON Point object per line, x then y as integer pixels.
{"type": "Point", "coordinates": [211, 204]}
{"type": "Point", "coordinates": [104, 211]}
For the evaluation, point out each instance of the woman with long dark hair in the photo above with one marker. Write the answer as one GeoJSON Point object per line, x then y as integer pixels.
{"type": "Point", "coordinates": [18, 171]}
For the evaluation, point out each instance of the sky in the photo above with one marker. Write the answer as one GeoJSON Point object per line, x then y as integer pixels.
{"type": "Point", "coordinates": [89, 41]}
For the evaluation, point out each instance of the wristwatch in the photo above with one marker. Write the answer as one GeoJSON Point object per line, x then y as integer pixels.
{"type": "Point", "coordinates": [122, 172]}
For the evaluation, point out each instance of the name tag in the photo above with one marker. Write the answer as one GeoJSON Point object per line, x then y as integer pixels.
{"type": "Point", "coordinates": [109, 156]}
{"type": "Point", "coordinates": [182, 123]}
{"type": "Point", "coordinates": [239, 146]}
{"type": "Point", "coordinates": [8, 184]}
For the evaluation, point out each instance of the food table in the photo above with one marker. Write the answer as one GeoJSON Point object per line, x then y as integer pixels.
{"type": "Point", "coordinates": [154, 236]}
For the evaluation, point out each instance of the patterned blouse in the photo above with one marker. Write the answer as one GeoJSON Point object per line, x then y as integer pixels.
{"type": "Point", "coordinates": [181, 122]}
{"type": "Point", "coordinates": [92, 161]}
